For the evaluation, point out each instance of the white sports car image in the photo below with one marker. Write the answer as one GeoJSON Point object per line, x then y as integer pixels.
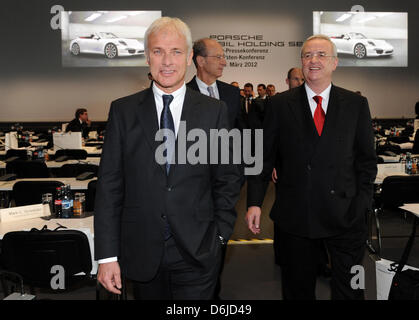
{"type": "Point", "coordinates": [360, 46]}
{"type": "Point", "coordinates": [108, 44]}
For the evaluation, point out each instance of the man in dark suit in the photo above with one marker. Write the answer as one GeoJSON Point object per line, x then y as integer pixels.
{"type": "Point", "coordinates": [162, 225]}
{"type": "Point", "coordinates": [270, 90]}
{"type": "Point", "coordinates": [321, 136]}
{"type": "Point", "coordinates": [80, 123]}
{"type": "Point", "coordinates": [210, 61]}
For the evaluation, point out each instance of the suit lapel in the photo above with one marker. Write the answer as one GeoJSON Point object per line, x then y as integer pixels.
{"type": "Point", "coordinates": [190, 119]}
{"type": "Point", "coordinates": [332, 123]}
{"type": "Point", "coordinates": [147, 115]}
{"type": "Point", "coordinates": [193, 84]}
{"type": "Point", "coordinates": [301, 110]}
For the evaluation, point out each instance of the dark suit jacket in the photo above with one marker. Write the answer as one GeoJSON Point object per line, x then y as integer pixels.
{"type": "Point", "coordinates": [325, 184]}
{"type": "Point", "coordinates": [134, 193]}
{"type": "Point", "coordinates": [75, 126]}
{"type": "Point", "coordinates": [231, 96]}
{"type": "Point", "coordinates": [253, 119]}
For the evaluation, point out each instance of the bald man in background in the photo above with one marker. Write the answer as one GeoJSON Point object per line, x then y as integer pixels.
{"type": "Point", "coordinates": [210, 61]}
{"type": "Point", "coordinates": [295, 78]}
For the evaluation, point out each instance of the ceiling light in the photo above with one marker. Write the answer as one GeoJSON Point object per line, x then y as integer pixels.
{"type": "Point", "coordinates": [92, 17]}
{"type": "Point", "coordinates": [343, 17]}
{"type": "Point", "coordinates": [116, 19]}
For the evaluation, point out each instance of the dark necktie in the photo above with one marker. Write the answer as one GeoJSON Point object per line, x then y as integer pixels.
{"type": "Point", "coordinates": [248, 102]}
{"type": "Point", "coordinates": [319, 115]}
{"type": "Point", "coordinates": [166, 122]}
{"type": "Point", "coordinates": [211, 91]}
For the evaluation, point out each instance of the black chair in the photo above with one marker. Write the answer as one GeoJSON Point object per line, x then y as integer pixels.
{"type": "Point", "coordinates": [398, 139]}
{"type": "Point", "coordinates": [415, 148]}
{"type": "Point", "coordinates": [399, 190]}
{"type": "Point", "coordinates": [73, 170]}
{"type": "Point", "coordinates": [75, 154]}
{"type": "Point", "coordinates": [20, 154]}
{"type": "Point", "coordinates": [394, 192]}
{"type": "Point", "coordinates": [91, 195]}
{"type": "Point", "coordinates": [33, 254]}
{"type": "Point", "coordinates": [28, 169]}
{"type": "Point", "coordinates": [30, 192]}
{"type": "Point", "coordinates": [389, 147]}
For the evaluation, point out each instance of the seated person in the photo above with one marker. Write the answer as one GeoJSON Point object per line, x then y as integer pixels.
{"type": "Point", "coordinates": [80, 123]}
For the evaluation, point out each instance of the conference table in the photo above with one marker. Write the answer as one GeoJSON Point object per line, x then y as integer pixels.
{"type": "Point", "coordinates": [93, 151]}
{"type": "Point", "coordinates": [54, 164]}
{"type": "Point", "coordinates": [75, 184]}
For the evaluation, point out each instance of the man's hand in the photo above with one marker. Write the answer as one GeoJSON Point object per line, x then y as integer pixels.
{"type": "Point", "coordinates": [109, 275]}
{"type": "Point", "coordinates": [253, 219]}
{"type": "Point", "coordinates": [274, 176]}
{"type": "Point", "coordinates": [89, 123]}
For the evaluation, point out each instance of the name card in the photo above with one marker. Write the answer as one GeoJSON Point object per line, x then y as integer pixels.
{"type": "Point", "coordinates": [67, 140]}
{"type": "Point", "coordinates": [24, 212]}
{"type": "Point", "coordinates": [391, 168]}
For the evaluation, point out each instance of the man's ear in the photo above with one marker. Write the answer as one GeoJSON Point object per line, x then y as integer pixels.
{"type": "Point", "coordinates": [148, 58]}
{"type": "Point", "coordinates": [200, 60]}
{"type": "Point", "coordinates": [287, 81]}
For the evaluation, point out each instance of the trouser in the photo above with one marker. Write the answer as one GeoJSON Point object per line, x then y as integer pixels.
{"type": "Point", "coordinates": [301, 256]}
{"type": "Point", "coordinates": [178, 280]}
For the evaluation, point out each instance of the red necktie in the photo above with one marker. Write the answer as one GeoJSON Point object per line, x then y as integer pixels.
{"type": "Point", "coordinates": [319, 114]}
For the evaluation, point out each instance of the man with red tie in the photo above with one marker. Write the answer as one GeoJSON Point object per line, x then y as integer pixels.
{"type": "Point", "coordinates": [320, 138]}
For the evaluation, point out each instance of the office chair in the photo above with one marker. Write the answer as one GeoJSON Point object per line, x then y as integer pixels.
{"type": "Point", "coordinates": [91, 195]}
{"type": "Point", "coordinates": [395, 192]}
{"type": "Point", "coordinates": [398, 139]}
{"type": "Point", "coordinates": [33, 254]}
{"type": "Point", "coordinates": [28, 169]}
{"type": "Point", "coordinates": [30, 192]}
{"type": "Point", "coordinates": [76, 154]}
{"type": "Point", "coordinates": [399, 190]}
{"type": "Point", "coordinates": [73, 170]}
{"type": "Point", "coordinates": [415, 149]}
{"type": "Point", "coordinates": [389, 147]}
{"type": "Point", "coordinates": [20, 154]}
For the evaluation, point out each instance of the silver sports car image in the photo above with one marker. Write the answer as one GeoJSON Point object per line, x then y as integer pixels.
{"type": "Point", "coordinates": [108, 44]}
{"type": "Point", "coordinates": [360, 46]}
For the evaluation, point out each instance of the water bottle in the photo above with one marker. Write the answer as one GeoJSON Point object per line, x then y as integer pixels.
{"type": "Point", "coordinates": [408, 163]}
{"type": "Point", "coordinates": [66, 203]}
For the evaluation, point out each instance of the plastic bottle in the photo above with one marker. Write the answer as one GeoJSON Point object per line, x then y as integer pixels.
{"type": "Point", "coordinates": [58, 203]}
{"type": "Point", "coordinates": [408, 163]}
{"type": "Point", "coordinates": [66, 203]}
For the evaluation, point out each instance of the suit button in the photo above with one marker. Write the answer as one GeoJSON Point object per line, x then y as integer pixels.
{"type": "Point", "coordinates": [332, 191]}
{"type": "Point", "coordinates": [309, 167]}
{"type": "Point", "coordinates": [163, 216]}
{"type": "Point", "coordinates": [169, 189]}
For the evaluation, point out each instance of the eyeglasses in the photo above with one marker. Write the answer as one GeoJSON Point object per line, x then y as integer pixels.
{"type": "Point", "coordinates": [219, 57]}
{"type": "Point", "coordinates": [321, 55]}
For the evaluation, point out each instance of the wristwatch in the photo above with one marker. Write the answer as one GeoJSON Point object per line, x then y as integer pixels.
{"type": "Point", "coordinates": [222, 240]}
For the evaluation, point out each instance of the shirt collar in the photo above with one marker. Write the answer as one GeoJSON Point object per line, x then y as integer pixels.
{"type": "Point", "coordinates": [203, 86]}
{"type": "Point", "coordinates": [159, 93]}
{"type": "Point", "coordinates": [325, 94]}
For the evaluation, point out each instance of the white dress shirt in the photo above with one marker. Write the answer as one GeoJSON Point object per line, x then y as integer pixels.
{"type": "Point", "coordinates": [176, 107]}
{"type": "Point", "coordinates": [203, 88]}
{"type": "Point", "coordinates": [325, 98]}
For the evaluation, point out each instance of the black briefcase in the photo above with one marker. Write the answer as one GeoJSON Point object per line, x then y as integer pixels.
{"type": "Point", "coordinates": [405, 284]}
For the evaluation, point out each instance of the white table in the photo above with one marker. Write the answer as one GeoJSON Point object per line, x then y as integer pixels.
{"type": "Point", "coordinates": [55, 164]}
{"type": "Point", "coordinates": [412, 208]}
{"type": "Point", "coordinates": [388, 169]}
{"type": "Point", "coordinates": [75, 184]}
